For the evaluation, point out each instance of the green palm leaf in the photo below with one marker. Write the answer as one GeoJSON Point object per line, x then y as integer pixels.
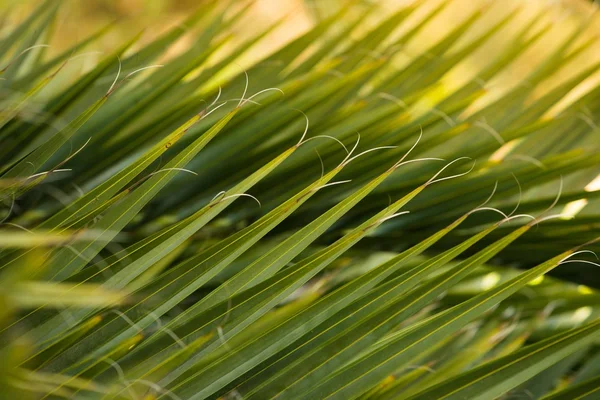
{"type": "Point", "coordinates": [424, 229]}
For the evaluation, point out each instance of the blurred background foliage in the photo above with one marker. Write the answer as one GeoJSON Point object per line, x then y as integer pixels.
{"type": "Point", "coordinates": [78, 18]}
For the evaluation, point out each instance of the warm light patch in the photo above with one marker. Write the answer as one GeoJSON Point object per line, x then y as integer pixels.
{"type": "Point", "coordinates": [536, 281]}
{"type": "Point", "coordinates": [490, 280]}
{"type": "Point", "coordinates": [573, 208]}
{"type": "Point", "coordinates": [593, 185]}
{"type": "Point", "coordinates": [584, 289]}
{"type": "Point", "coordinates": [582, 313]}
{"type": "Point", "coordinates": [503, 151]}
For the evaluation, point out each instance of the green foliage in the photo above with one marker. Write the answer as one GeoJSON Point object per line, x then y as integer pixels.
{"type": "Point", "coordinates": [195, 230]}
